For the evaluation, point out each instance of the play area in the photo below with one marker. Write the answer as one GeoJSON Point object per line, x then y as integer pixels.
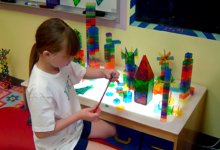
{"type": "Point", "coordinates": [150, 110]}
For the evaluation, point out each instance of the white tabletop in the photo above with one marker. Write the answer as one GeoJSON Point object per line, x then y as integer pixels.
{"type": "Point", "coordinates": [143, 114]}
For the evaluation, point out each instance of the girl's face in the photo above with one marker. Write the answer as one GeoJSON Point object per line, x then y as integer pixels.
{"type": "Point", "coordinates": [61, 58]}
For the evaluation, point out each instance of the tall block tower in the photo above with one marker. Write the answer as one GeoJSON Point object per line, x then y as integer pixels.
{"type": "Point", "coordinates": [92, 33]}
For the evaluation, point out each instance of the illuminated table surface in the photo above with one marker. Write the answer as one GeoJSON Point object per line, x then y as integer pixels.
{"type": "Point", "coordinates": [142, 117]}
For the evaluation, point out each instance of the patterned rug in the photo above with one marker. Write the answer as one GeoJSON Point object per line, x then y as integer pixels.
{"type": "Point", "coordinates": [13, 97]}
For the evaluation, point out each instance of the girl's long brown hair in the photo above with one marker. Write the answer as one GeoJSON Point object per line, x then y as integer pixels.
{"type": "Point", "coordinates": [49, 36]}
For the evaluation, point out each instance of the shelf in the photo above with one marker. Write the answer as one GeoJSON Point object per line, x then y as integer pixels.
{"type": "Point", "coordinates": [79, 11]}
{"type": "Point", "coordinates": [111, 19]}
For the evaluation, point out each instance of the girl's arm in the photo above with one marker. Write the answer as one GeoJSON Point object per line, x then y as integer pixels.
{"type": "Point", "coordinates": [92, 73]}
{"type": "Point", "coordinates": [84, 114]}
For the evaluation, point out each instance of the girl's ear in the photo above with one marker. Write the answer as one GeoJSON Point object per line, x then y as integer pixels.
{"type": "Point", "coordinates": [46, 53]}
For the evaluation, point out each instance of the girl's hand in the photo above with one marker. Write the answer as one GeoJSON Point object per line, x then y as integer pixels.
{"type": "Point", "coordinates": [89, 115]}
{"type": "Point", "coordinates": [111, 74]}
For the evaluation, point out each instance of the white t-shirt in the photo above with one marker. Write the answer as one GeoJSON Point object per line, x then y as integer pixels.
{"type": "Point", "coordinates": [51, 97]}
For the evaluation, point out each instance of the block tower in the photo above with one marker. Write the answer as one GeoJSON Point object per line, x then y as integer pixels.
{"type": "Point", "coordinates": [164, 61]}
{"type": "Point", "coordinates": [185, 82]}
{"type": "Point", "coordinates": [79, 57]}
{"type": "Point", "coordinates": [165, 95]}
{"type": "Point", "coordinates": [144, 82]}
{"type": "Point", "coordinates": [109, 48]}
{"type": "Point", "coordinates": [92, 37]}
{"type": "Point", "coordinates": [130, 68]}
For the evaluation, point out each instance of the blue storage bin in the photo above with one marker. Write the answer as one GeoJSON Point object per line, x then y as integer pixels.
{"type": "Point", "coordinates": [126, 138]}
{"type": "Point", "coordinates": [154, 143]}
{"type": "Point", "coordinates": [52, 3]}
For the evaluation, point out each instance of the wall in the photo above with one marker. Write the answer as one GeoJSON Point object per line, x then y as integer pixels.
{"type": "Point", "coordinates": [17, 31]}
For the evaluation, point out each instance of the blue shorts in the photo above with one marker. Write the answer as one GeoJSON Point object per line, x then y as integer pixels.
{"type": "Point", "coordinates": [83, 140]}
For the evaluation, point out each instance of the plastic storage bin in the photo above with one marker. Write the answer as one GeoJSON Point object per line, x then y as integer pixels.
{"type": "Point", "coordinates": [154, 143]}
{"type": "Point", "coordinates": [126, 138]}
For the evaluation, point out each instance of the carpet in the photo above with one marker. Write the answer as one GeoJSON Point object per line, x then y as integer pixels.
{"type": "Point", "coordinates": [13, 97]}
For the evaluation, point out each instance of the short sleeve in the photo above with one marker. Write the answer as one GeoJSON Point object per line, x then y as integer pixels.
{"type": "Point", "coordinates": [42, 113]}
{"type": "Point", "coordinates": [78, 72]}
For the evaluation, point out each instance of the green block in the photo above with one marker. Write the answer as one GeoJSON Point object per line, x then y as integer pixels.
{"type": "Point", "coordinates": [76, 2]}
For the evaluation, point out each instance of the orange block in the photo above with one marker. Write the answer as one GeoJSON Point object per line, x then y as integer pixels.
{"type": "Point", "coordinates": [184, 95]}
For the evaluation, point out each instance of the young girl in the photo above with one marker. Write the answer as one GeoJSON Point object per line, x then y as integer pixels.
{"type": "Point", "coordinates": [58, 122]}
